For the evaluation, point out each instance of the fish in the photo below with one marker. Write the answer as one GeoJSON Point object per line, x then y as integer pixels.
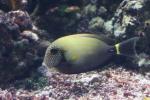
{"type": "Point", "coordinates": [83, 52]}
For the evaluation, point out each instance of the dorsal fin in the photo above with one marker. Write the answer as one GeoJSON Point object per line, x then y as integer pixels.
{"type": "Point", "coordinates": [99, 37]}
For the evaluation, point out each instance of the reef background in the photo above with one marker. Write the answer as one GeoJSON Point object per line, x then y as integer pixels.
{"type": "Point", "coordinates": [28, 26]}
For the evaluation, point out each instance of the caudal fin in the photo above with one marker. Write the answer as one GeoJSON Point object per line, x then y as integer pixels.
{"type": "Point", "coordinates": [128, 47]}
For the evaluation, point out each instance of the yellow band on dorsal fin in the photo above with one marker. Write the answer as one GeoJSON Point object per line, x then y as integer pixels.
{"type": "Point", "coordinates": [117, 47]}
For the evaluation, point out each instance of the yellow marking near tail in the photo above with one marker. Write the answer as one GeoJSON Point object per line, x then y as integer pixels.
{"type": "Point", "coordinates": [117, 46]}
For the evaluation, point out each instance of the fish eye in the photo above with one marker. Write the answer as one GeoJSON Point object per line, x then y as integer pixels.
{"type": "Point", "coordinates": [54, 51]}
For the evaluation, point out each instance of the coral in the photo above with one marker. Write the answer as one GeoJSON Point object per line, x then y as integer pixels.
{"type": "Point", "coordinates": [90, 9]}
{"type": "Point", "coordinates": [30, 35]}
{"type": "Point", "coordinates": [96, 22]}
{"type": "Point", "coordinates": [125, 18]}
{"type": "Point", "coordinates": [19, 54]}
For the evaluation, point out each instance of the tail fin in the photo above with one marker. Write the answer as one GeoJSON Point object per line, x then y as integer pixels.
{"type": "Point", "coordinates": [128, 47]}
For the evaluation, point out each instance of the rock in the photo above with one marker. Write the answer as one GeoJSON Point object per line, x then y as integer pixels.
{"type": "Point", "coordinates": [22, 19]}
{"type": "Point", "coordinates": [21, 44]}
{"type": "Point", "coordinates": [143, 61]}
{"type": "Point", "coordinates": [102, 10]}
{"type": "Point", "coordinates": [30, 35]}
{"type": "Point", "coordinates": [18, 47]}
{"type": "Point", "coordinates": [96, 23]}
{"type": "Point", "coordinates": [108, 25]}
{"type": "Point", "coordinates": [126, 23]}
{"type": "Point", "coordinates": [119, 25]}
{"type": "Point", "coordinates": [90, 9]}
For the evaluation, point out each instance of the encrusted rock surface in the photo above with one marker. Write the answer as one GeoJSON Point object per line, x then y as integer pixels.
{"type": "Point", "coordinates": [18, 46]}
{"type": "Point", "coordinates": [109, 84]}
